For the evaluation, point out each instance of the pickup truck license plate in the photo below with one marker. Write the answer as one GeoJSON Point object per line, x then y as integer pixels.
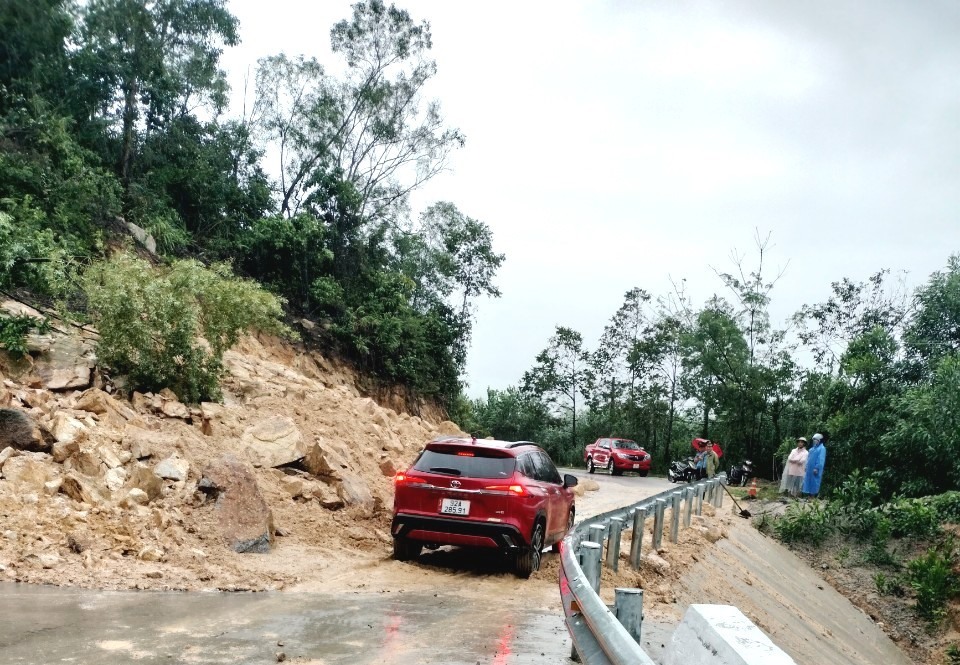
{"type": "Point", "coordinates": [455, 507]}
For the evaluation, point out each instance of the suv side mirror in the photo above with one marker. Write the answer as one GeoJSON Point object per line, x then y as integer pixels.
{"type": "Point", "coordinates": [570, 480]}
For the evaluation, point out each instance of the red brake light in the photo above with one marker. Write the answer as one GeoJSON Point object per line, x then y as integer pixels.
{"type": "Point", "coordinates": [399, 479]}
{"type": "Point", "coordinates": [519, 490]}
{"type": "Point", "coordinates": [465, 454]}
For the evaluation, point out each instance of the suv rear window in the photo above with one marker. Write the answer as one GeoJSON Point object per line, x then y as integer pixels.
{"type": "Point", "coordinates": [432, 461]}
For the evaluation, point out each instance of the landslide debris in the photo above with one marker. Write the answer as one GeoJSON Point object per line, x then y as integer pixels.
{"type": "Point", "coordinates": [290, 474]}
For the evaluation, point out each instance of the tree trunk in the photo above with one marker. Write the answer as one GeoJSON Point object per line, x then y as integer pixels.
{"type": "Point", "coordinates": [129, 127]}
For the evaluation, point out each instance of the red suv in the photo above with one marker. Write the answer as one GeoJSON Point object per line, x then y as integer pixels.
{"type": "Point", "coordinates": [616, 456]}
{"type": "Point", "coordinates": [482, 493]}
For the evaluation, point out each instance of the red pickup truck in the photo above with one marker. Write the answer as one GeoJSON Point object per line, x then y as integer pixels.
{"type": "Point", "coordinates": [616, 456]}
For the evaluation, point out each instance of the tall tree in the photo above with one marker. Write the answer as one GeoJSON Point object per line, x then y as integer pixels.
{"type": "Point", "coordinates": [149, 61]}
{"type": "Point", "coordinates": [561, 375]}
{"type": "Point", "coordinates": [373, 127]}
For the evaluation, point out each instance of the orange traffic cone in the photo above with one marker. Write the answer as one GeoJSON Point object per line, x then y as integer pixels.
{"type": "Point", "coordinates": [753, 489]}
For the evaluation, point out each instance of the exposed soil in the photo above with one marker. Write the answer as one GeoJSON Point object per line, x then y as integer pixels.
{"type": "Point", "coordinates": [173, 542]}
{"type": "Point", "coordinates": [843, 564]}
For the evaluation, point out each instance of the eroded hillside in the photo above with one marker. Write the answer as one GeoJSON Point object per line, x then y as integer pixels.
{"type": "Point", "coordinates": [147, 492]}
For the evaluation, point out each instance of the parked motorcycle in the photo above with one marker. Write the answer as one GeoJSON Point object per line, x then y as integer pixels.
{"type": "Point", "coordinates": [740, 474]}
{"type": "Point", "coordinates": [682, 471]}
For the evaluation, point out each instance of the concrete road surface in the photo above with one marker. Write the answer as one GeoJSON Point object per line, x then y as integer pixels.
{"type": "Point", "coordinates": [42, 625]}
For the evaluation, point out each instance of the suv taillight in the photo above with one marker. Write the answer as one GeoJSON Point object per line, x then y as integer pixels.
{"type": "Point", "coordinates": [400, 479]}
{"type": "Point", "coordinates": [519, 490]}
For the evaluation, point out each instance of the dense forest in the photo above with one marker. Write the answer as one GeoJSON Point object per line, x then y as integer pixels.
{"type": "Point", "coordinates": [132, 196]}
{"type": "Point", "coordinates": [114, 121]}
{"type": "Point", "coordinates": [874, 368]}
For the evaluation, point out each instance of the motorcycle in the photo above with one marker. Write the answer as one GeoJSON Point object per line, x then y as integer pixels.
{"type": "Point", "coordinates": [682, 471]}
{"type": "Point", "coordinates": [740, 474]}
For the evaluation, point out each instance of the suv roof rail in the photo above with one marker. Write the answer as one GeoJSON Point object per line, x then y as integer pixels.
{"type": "Point", "coordinates": [517, 444]}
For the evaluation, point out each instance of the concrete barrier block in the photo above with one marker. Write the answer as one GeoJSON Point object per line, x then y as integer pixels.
{"type": "Point", "coordinates": [721, 635]}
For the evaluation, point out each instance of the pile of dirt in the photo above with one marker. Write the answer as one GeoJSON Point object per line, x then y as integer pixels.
{"type": "Point", "coordinates": [102, 491]}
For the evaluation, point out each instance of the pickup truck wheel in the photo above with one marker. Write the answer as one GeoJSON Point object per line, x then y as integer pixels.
{"type": "Point", "coordinates": [590, 467]}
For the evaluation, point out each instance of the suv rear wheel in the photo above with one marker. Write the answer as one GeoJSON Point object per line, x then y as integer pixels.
{"type": "Point", "coordinates": [405, 549]}
{"type": "Point", "coordinates": [528, 559]}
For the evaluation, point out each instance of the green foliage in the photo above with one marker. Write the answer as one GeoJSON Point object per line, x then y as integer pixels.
{"type": "Point", "coordinates": [843, 556]}
{"type": "Point", "coordinates": [14, 331]}
{"type": "Point", "coordinates": [913, 518]}
{"type": "Point", "coordinates": [934, 581]}
{"type": "Point", "coordinates": [810, 523]}
{"type": "Point", "coordinates": [879, 553]}
{"type": "Point", "coordinates": [888, 586]}
{"type": "Point", "coordinates": [169, 327]}
{"type": "Point", "coordinates": [947, 506]}
{"type": "Point", "coordinates": [953, 654]}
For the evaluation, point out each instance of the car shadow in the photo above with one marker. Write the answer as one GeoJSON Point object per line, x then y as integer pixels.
{"type": "Point", "coordinates": [470, 561]}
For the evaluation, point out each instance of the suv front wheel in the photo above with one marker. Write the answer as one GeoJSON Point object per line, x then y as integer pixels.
{"type": "Point", "coordinates": [405, 549]}
{"type": "Point", "coordinates": [528, 559]}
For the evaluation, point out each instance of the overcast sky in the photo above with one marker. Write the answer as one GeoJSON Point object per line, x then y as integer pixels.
{"type": "Point", "coordinates": [613, 144]}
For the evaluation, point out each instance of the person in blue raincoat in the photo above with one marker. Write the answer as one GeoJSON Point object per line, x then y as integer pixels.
{"type": "Point", "coordinates": [815, 463]}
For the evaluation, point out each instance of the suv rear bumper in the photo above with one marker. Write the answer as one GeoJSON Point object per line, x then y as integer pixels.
{"type": "Point", "coordinates": [446, 531]}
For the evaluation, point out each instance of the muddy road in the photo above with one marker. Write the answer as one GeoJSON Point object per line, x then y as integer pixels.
{"type": "Point", "coordinates": [449, 607]}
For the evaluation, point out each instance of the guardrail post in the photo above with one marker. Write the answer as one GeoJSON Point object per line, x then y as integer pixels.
{"type": "Point", "coordinates": [590, 563]}
{"type": "Point", "coordinates": [687, 505]}
{"type": "Point", "coordinates": [701, 488]}
{"type": "Point", "coordinates": [720, 493]}
{"type": "Point", "coordinates": [675, 518]}
{"type": "Point", "coordinates": [658, 524]}
{"type": "Point", "coordinates": [628, 608]}
{"type": "Point", "coordinates": [595, 534]}
{"type": "Point", "coordinates": [613, 543]}
{"type": "Point", "coordinates": [716, 493]}
{"type": "Point", "coordinates": [636, 542]}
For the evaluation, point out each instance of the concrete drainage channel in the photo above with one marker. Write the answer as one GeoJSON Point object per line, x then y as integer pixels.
{"type": "Point", "coordinates": [611, 636]}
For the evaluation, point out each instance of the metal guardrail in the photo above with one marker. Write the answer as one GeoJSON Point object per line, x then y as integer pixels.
{"type": "Point", "coordinates": [601, 636]}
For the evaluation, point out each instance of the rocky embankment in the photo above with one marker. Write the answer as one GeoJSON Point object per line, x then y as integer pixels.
{"type": "Point", "coordinates": [289, 475]}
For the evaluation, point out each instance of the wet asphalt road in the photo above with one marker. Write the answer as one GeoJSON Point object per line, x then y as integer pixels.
{"type": "Point", "coordinates": [40, 625]}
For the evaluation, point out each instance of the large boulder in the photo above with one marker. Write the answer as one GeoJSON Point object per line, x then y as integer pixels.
{"type": "Point", "coordinates": [67, 429]}
{"type": "Point", "coordinates": [325, 460]}
{"type": "Point", "coordinates": [173, 468]}
{"type": "Point", "coordinates": [18, 431]}
{"type": "Point", "coordinates": [145, 480]}
{"type": "Point", "coordinates": [99, 402]}
{"type": "Point", "coordinates": [245, 520]}
{"type": "Point", "coordinates": [81, 489]}
{"type": "Point", "coordinates": [66, 364]}
{"type": "Point", "coordinates": [30, 473]}
{"type": "Point", "coordinates": [144, 442]}
{"type": "Point", "coordinates": [355, 492]}
{"type": "Point", "coordinates": [274, 442]}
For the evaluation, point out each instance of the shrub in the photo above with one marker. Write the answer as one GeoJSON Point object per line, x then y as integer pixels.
{"type": "Point", "coordinates": [888, 586]}
{"type": "Point", "coordinates": [947, 506]}
{"type": "Point", "coordinates": [877, 553]}
{"type": "Point", "coordinates": [933, 581]}
{"type": "Point", "coordinates": [912, 518]}
{"type": "Point", "coordinates": [953, 654]}
{"type": "Point", "coordinates": [14, 331]}
{"type": "Point", "coordinates": [810, 523]}
{"type": "Point", "coordinates": [169, 327]}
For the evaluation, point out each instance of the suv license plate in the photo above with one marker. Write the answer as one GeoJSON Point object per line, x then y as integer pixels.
{"type": "Point", "coordinates": [636, 466]}
{"type": "Point", "coordinates": [455, 507]}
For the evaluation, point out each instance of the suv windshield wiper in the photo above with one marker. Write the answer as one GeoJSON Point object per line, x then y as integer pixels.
{"type": "Point", "coordinates": [447, 470]}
